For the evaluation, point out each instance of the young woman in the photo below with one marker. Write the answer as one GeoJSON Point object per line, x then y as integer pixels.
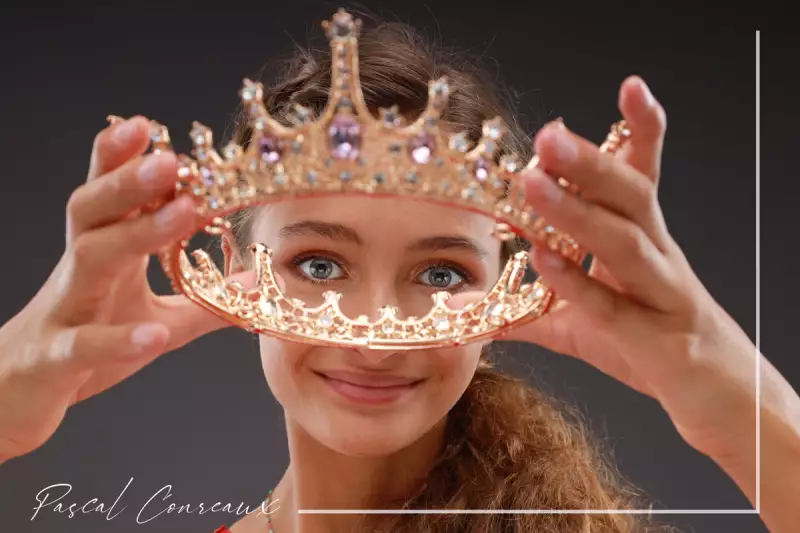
{"type": "Point", "coordinates": [420, 429]}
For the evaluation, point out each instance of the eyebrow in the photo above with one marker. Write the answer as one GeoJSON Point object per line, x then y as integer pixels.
{"type": "Point", "coordinates": [342, 233]}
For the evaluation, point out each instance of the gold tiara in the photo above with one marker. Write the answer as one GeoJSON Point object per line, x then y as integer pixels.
{"type": "Point", "coordinates": [348, 151]}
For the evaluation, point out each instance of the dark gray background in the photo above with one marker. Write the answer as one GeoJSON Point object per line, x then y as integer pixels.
{"type": "Point", "coordinates": [202, 419]}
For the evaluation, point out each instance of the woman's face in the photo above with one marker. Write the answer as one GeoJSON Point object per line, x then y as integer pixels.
{"type": "Point", "coordinates": [374, 252]}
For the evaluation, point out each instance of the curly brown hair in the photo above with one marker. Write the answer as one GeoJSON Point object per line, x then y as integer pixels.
{"type": "Point", "coordinates": [508, 445]}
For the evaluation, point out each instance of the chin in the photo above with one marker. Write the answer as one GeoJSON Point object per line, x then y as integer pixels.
{"type": "Point", "coordinates": [366, 441]}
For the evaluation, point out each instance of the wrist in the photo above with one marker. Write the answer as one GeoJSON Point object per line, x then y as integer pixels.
{"type": "Point", "coordinates": [774, 463]}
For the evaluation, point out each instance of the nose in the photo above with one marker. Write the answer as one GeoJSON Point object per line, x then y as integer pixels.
{"type": "Point", "coordinates": [374, 357]}
{"type": "Point", "coordinates": [367, 301]}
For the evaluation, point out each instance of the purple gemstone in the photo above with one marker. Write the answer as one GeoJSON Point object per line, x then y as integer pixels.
{"type": "Point", "coordinates": [482, 168]}
{"type": "Point", "coordinates": [208, 176]}
{"type": "Point", "coordinates": [344, 137]}
{"type": "Point", "coordinates": [271, 149]}
{"type": "Point", "coordinates": [422, 148]}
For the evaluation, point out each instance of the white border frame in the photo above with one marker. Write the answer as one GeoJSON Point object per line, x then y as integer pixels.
{"type": "Point", "coordinates": [757, 510]}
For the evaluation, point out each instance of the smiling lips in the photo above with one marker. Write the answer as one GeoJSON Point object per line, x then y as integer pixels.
{"type": "Point", "coordinates": [371, 389]}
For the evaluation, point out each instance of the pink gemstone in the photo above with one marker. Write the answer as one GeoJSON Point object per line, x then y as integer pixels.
{"type": "Point", "coordinates": [344, 137]}
{"type": "Point", "coordinates": [482, 169]}
{"type": "Point", "coordinates": [271, 149]}
{"type": "Point", "coordinates": [422, 148]}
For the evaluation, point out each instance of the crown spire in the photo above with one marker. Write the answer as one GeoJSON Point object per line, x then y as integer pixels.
{"type": "Point", "coordinates": [349, 151]}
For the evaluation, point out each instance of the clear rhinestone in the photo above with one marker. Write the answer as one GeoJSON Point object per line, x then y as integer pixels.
{"type": "Point", "coordinates": [250, 91]}
{"type": "Point", "coordinates": [184, 170]}
{"type": "Point", "coordinates": [441, 323]}
{"type": "Point", "coordinates": [344, 175]}
{"type": "Point", "coordinates": [469, 193]}
{"type": "Point", "coordinates": [459, 142]}
{"type": "Point", "coordinates": [199, 135]}
{"type": "Point", "coordinates": [268, 308]}
{"type": "Point", "coordinates": [494, 314]}
{"type": "Point", "coordinates": [510, 163]}
{"type": "Point", "coordinates": [343, 25]}
{"type": "Point", "coordinates": [494, 128]}
{"type": "Point", "coordinates": [379, 177]}
{"type": "Point", "coordinates": [302, 114]}
{"type": "Point", "coordinates": [157, 133]}
{"type": "Point", "coordinates": [387, 327]}
{"type": "Point", "coordinates": [412, 177]}
{"type": "Point", "coordinates": [230, 151]}
{"type": "Point", "coordinates": [390, 116]}
{"type": "Point", "coordinates": [311, 177]}
{"type": "Point", "coordinates": [325, 320]}
{"type": "Point", "coordinates": [219, 292]}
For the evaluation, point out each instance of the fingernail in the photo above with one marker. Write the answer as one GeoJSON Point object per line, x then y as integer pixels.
{"type": "Point", "coordinates": [148, 335]}
{"type": "Point", "coordinates": [544, 186]}
{"type": "Point", "coordinates": [148, 170]}
{"type": "Point", "coordinates": [166, 216]}
{"type": "Point", "coordinates": [564, 147]}
{"type": "Point", "coordinates": [125, 131]}
{"type": "Point", "coordinates": [647, 96]}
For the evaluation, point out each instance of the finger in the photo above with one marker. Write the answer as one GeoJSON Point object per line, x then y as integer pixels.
{"type": "Point", "coordinates": [601, 177]}
{"type": "Point", "coordinates": [89, 346]}
{"type": "Point", "coordinates": [647, 122]}
{"type": "Point", "coordinates": [571, 283]}
{"type": "Point", "coordinates": [119, 192]}
{"type": "Point", "coordinates": [630, 255]}
{"type": "Point", "coordinates": [188, 320]}
{"type": "Point", "coordinates": [104, 251]}
{"type": "Point", "coordinates": [118, 143]}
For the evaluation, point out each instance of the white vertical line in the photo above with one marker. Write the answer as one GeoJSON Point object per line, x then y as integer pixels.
{"type": "Point", "coordinates": [758, 271]}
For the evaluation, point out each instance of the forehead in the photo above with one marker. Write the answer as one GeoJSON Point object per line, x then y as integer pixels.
{"type": "Point", "coordinates": [376, 219]}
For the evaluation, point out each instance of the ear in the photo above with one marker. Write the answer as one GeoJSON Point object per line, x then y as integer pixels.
{"type": "Point", "coordinates": [233, 260]}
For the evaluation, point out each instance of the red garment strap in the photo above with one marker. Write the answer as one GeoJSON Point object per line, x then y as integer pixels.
{"type": "Point", "coordinates": [223, 529]}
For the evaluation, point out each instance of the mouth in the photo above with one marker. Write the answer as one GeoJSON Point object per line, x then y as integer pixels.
{"type": "Point", "coordinates": [368, 388]}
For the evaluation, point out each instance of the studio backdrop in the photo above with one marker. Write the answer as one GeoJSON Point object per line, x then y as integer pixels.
{"type": "Point", "coordinates": [200, 423]}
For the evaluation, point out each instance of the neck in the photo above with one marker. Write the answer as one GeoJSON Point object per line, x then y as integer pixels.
{"type": "Point", "coordinates": [321, 478]}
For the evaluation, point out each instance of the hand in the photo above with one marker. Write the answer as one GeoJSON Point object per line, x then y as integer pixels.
{"type": "Point", "coordinates": [641, 314]}
{"type": "Point", "coordinates": [96, 321]}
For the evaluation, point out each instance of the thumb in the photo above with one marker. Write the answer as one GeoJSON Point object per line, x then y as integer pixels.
{"type": "Point", "coordinates": [550, 331]}
{"type": "Point", "coordinates": [188, 320]}
{"type": "Point", "coordinates": [463, 299]}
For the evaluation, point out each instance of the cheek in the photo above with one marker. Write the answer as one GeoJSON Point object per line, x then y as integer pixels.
{"type": "Point", "coordinates": [457, 367]}
{"type": "Point", "coordinates": [279, 359]}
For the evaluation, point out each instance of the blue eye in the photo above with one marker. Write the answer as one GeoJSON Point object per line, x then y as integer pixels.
{"type": "Point", "coordinates": [441, 277]}
{"type": "Point", "coordinates": [320, 269]}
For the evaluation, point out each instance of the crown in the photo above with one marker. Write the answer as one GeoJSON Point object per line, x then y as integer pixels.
{"type": "Point", "coordinates": [346, 150]}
